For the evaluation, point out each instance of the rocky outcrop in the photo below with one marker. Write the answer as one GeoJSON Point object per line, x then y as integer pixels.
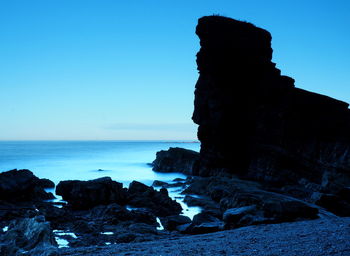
{"type": "Point", "coordinates": [23, 185]}
{"type": "Point", "coordinates": [255, 123]}
{"type": "Point", "coordinates": [242, 203]}
{"type": "Point", "coordinates": [172, 222]}
{"type": "Point", "coordinates": [87, 194]}
{"type": "Point", "coordinates": [83, 195]}
{"type": "Point", "coordinates": [29, 234]}
{"type": "Point", "coordinates": [97, 212]}
{"type": "Point", "coordinates": [159, 202]}
{"type": "Point", "coordinates": [175, 160]}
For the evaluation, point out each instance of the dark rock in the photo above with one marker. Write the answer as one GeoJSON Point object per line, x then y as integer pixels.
{"type": "Point", "coordinates": [175, 185]}
{"type": "Point", "coordinates": [81, 226]}
{"type": "Point", "coordinates": [201, 218]}
{"type": "Point", "coordinates": [217, 193]}
{"type": "Point", "coordinates": [204, 202]}
{"type": "Point", "coordinates": [179, 180]}
{"type": "Point", "coordinates": [344, 193]}
{"type": "Point", "coordinates": [126, 237]}
{"type": "Point", "coordinates": [21, 185]}
{"type": "Point", "coordinates": [158, 183]}
{"type": "Point", "coordinates": [175, 160]}
{"type": "Point", "coordinates": [30, 233]}
{"type": "Point", "coordinates": [338, 204]}
{"type": "Point", "coordinates": [184, 228]}
{"type": "Point", "coordinates": [10, 211]}
{"type": "Point", "coordinates": [270, 207]}
{"type": "Point", "coordinates": [143, 228]}
{"type": "Point", "coordinates": [202, 223]}
{"type": "Point", "coordinates": [288, 209]}
{"type": "Point", "coordinates": [140, 195]}
{"type": "Point", "coordinates": [87, 194]}
{"type": "Point", "coordinates": [110, 214]}
{"type": "Point", "coordinates": [46, 183]}
{"type": "Point", "coordinates": [253, 122]}
{"type": "Point", "coordinates": [144, 216]}
{"type": "Point", "coordinates": [47, 251]}
{"type": "Point", "coordinates": [233, 215]}
{"type": "Point", "coordinates": [208, 227]}
{"type": "Point", "coordinates": [56, 216]}
{"type": "Point", "coordinates": [171, 222]}
{"type": "Point", "coordinates": [136, 187]}
{"type": "Point", "coordinates": [9, 250]}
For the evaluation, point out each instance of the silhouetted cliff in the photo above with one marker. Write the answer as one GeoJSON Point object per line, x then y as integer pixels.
{"type": "Point", "coordinates": [254, 122]}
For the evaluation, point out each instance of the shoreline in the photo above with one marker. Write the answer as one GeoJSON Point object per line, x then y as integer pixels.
{"type": "Point", "coordinates": [322, 237]}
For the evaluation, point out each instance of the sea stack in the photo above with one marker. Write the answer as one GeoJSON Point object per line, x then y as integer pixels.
{"type": "Point", "coordinates": [254, 122]}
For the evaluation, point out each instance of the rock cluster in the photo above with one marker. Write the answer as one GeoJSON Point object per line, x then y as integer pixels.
{"type": "Point", "coordinates": [83, 195]}
{"type": "Point", "coordinates": [97, 212]}
{"type": "Point", "coordinates": [255, 123]}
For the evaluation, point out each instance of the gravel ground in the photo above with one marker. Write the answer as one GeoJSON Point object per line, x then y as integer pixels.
{"type": "Point", "coordinates": [326, 236]}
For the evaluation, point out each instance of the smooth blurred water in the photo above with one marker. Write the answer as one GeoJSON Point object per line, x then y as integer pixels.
{"type": "Point", "coordinates": [123, 161]}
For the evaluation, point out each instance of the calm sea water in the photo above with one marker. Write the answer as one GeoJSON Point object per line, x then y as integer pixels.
{"type": "Point", "coordinates": [123, 161]}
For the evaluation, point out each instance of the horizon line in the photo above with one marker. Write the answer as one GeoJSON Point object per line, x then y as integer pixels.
{"type": "Point", "coordinates": [160, 140]}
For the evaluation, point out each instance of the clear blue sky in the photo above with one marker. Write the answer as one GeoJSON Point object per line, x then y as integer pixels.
{"type": "Point", "coordinates": [110, 69]}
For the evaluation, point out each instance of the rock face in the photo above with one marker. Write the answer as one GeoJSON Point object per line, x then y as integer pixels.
{"type": "Point", "coordinates": [254, 122]}
{"type": "Point", "coordinates": [175, 160]}
{"type": "Point", "coordinates": [86, 194]}
{"type": "Point", "coordinates": [28, 234]}
{"type": "Point", "coordinates": [22, 185]}
{"type": "Point", "coordinates": [159, 202]}
{"type": "Point", "coordinates": [243, 203]}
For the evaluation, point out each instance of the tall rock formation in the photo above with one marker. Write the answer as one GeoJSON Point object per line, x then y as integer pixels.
{"type": "Point", "coordinates": [252, 120]}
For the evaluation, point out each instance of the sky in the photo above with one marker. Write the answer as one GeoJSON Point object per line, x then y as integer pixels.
{"type": "Point", "coordinates": [126, 70]}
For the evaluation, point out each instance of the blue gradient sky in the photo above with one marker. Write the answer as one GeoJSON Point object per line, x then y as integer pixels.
{"type": "Point", "coordinates": [109, 69]}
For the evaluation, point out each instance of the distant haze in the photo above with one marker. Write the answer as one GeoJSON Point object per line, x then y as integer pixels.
{"type": "Point", "coordinates": [126, 70]}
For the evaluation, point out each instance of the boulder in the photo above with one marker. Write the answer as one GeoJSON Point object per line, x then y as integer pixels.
{"type": "Point", "coordinates": [144, 216]}
{"type": "Point", "coordinates": [233, 215]}
{"type": "Point", "coordinates": [87, 194]}
{"type": "Point", "coordinates": [22, 185]}
{"type": "Point", "coordinates": [171, 222]}
{"type": "Point", "coordinates": [175, 160]}
{"type": "Point", "coordinates": [159, 202]}
{"type": "Point", "coordinates": [30, 234]}
{"type": "Point", "coordinates": [206, 203]}
{"type": "Point", "coordinates": [136, 187]}
{"type": "Point", "coordinates": [143, 228]}
{"type": "Point", "coordinates": [158, 183]}
{"type": "Point", "coordinates": [46, 183]}
{"type": "Point", "coordinates": [203, 217]}
{"type": "Point", "coordinates": [202, 223]}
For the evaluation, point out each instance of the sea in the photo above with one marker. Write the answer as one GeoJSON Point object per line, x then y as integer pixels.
{"type": "Point", "coordinates": [123, 161]}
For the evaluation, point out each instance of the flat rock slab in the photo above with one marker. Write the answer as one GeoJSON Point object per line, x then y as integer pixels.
{"type": "Point", "coordinates": [321, 237]}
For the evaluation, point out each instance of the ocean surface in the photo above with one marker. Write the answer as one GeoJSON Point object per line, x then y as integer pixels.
{"type": "Point", "coordinates": [123, 161]}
